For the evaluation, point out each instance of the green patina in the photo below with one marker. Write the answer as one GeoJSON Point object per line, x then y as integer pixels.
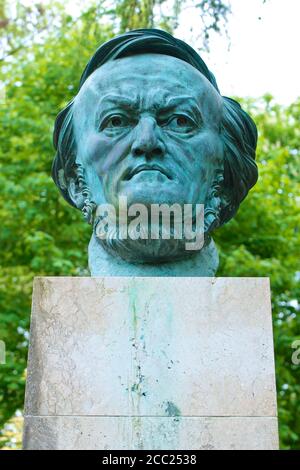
{"type": "Point", "coordinates": [139, 149]}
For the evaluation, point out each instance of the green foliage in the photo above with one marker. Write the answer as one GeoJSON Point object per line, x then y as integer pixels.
{"type": "Point", "coordinates": [213, 15]}
{"type": "Point", "coordinates": [264, 240]}
{"type": "Point", "coordinates": [42, 235]}
{"type": "Point", "coordinates": [21, 23]}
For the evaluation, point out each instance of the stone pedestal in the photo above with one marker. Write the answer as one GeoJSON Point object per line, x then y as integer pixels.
{"type": "Point", "coordinates": [151, 363]}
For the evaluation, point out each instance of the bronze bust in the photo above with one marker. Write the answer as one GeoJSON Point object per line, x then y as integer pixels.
{"type": "Point", "coordinates": [149, 126]}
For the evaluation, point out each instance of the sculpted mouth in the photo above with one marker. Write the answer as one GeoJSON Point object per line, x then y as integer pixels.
{"type": "Point", "coordinates": [140, 168]}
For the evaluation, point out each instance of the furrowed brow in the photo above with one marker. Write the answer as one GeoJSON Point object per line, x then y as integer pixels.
{"type": "Point", "coordinates": [185, 101]}
{"type": "Point", "coordinates": [112, 99]}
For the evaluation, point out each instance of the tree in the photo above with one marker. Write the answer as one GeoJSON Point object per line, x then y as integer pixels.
{"type": "Point", "coordinates": [264, 240]}
{"type": "Point", "coordinates": [40, 235]}
{"type": "Point", "coordinates": [213, 15]}
{"type": "Point", "coordinates": [22, 24]}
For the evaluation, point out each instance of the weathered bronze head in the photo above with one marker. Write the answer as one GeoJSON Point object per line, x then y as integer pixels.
{"type": "Point", "coordinates": [150, 125]}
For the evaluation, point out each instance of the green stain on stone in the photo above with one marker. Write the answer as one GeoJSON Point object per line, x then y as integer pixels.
{"type": "Point", "coordinates": [172, 409]}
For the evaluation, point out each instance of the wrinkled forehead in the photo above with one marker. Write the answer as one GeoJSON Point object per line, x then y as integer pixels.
{"type": "Point", "coordinates": [151, 80]}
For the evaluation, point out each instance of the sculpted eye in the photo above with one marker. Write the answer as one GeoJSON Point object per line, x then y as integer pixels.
{"type": "Point", "coordinates": [180, 123]}
{"type": "Point", "coordinates": [115, 122]}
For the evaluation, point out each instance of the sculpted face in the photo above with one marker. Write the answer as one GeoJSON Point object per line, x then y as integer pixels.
{"type": "Point", "coordinates": [148, 127]}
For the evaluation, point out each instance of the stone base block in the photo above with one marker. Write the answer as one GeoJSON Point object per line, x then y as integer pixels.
{"type": "Point", "coordinates": [159, 433]}
{"type": "Point", "coordinates": [153, 363]}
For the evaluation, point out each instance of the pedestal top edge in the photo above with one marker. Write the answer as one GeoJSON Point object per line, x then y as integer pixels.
{"type": "Point", "coordinates": [212, 279]}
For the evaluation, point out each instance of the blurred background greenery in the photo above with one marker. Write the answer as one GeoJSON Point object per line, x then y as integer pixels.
{"type": "Point", "coordinates": [43, 49]}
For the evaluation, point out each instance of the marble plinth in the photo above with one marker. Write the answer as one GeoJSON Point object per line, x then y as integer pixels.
{"type": "Point", "coordinates": [151, 363]}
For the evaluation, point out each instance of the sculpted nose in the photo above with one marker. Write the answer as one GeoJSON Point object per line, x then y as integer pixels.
{"type": "Point", "coordinates": [146, 141]}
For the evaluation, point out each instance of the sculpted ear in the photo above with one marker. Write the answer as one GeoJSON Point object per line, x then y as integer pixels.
{"type": "Point", "coordinates": [75, 192]}
{"type": "Point", "coordinates": [239, 135]}
{"type": "Point", "coordinates": [80, 195]}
